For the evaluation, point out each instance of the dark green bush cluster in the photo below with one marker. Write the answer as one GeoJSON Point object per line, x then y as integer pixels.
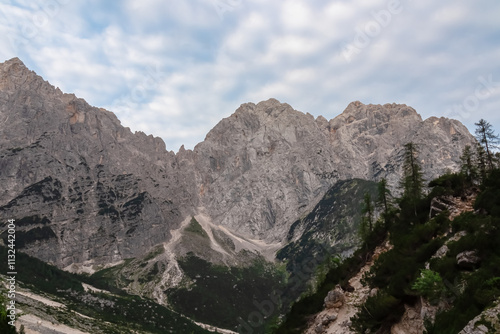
{"type": "Point", "coordinates": [399, 273]}
{"type": "Point", "coordinates": [474, 289]}
{"type": "Point", "coordinates": [396, 271]}
{"type": "Point", "coordinates": [40, 275]}
{"type": "Point", "coordinates": [489, 198]}
{"type": "Point", "coordinates": [379, 311]}
{"type": "Point", "coordinates": [453, 184]}
{"type": "Point", "coordinates": [5, 327]}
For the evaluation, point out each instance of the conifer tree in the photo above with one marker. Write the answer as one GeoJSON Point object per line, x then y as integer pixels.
{"type": "Point", "coordinates": [383, 199]}
{"type": "Point", "coordinates": [412, 182]}
{"type": "Point", "coordinates": [481, 161]}
{"type": "Point", "coordinates": [469, 167]}
{"type": "Point", "coordinates": [488, 140]}
{"type": "Point", "coordinates": [367, 216]}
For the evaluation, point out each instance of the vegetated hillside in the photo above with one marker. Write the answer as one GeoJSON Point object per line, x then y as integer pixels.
{"type": "Point", "coordinates": [325, 235]}
{"type": "Point", "coordinates": [223, 296]}
{"type": "Point", "coordinates": [98, 311]}
{"type": "Point", "coordinates": [439, 275]}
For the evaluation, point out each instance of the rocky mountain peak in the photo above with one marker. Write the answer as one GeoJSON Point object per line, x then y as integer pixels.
{"type": "Point", "coordinates": [15, 75]}
{"type": "Point", "coordinates": [377, 114]}
{"type": "Point", "coordinates": [13, 66]}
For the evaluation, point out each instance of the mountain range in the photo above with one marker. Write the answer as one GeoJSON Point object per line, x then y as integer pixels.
{"type": "Point", "coordinates": [89, 195]}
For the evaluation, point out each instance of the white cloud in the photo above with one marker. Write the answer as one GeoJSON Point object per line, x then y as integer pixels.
{"type": "Point", "coordinates": [301, 75]}
{"type": "Point", "coordinates": [339, 11]}
{"type": "Point", "coordinates": [450, 14]}
{"type": "Point", "coordinates": [151, 13]}
{"type": "Point", "coordinates": [175, 68]}
{"type": "Point", "coordinates": [296, 15]}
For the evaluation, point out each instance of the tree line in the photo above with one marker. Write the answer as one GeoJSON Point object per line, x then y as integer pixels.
{"type": "Point", "coordinates": [476, 165]}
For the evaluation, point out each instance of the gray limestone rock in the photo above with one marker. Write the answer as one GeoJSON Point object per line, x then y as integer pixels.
{"type": "Point", "coordinates": [468, 260]}
{"type": "Point", "coordinates": [276, 162]}
{"type": "Point", "coordinates": [82, 187]}
{"type": "Point", "coordinates": [335, 298]}
{"type": "Point", "coordinates": [87, 190]}
{"type": "Point", "coordinates": [488, 322]}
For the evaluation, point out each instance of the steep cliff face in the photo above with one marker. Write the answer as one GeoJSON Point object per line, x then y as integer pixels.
{"type": "Point", "coordinates": [374, 135]}
{"type": "Point", "coordinates": [82, 187]}
{"type": "Point", "coordinates": [262, 166]}
{"type": "Point", "coordinates": [266, 164]}
{"type": "Point", "coordinates": [87, 190]}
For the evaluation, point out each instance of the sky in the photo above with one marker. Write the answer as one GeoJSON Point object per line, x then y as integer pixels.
{"type": "Point", "coordinates": [174, 69]}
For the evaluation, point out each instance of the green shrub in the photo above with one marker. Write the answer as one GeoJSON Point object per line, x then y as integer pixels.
{"type": "Point", "coordinates": [467, 221]}
{"type": "Point", "coordinates": [446, 267]}
{"type": "Point", "coordinates": [489, 292]}
{"type": "Point", "coordinates": [429, 284]}
{"type": "Point", "coordinates": [427, 250]}
{"type": "Point", "coordinates": [489, 198]}
{"type": "Point", "coordinates": [5, 327]}
{"type": "Point", "coordinates": [448, 184]}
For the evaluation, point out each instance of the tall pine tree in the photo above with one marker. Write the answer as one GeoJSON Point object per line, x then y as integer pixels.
{"type": "Point", "coordinates": [412, 182]}
{"type": "Point", "coordinates": [481, 161]}
{"type": "Point", "coordinates": [367, 217]}
{"type": "Point", "coordinates": [383, 198]}
{"type": "Point", "coordinates": [469, 165]}
{"type": "Point", "coordinates": [488, 140]}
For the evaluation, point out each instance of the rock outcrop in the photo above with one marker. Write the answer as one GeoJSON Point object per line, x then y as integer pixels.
{"type": "Point", "coordinates": [468, 260]}
{"type": "Point", "coordinates": [337, 319]}
{"type": "Point", "coordinates": [84, 189]}
{"type": "Point", "coordinates": [81, 187]}
{"type": "Point", "coordinates": [411, 323]}
{"type": "Point", "coordinates": [335, 298]}
{"type": "Point", "coordinates": [488, 322]}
